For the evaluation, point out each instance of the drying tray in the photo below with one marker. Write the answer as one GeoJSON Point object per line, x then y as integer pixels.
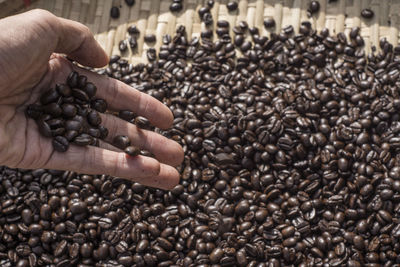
{"type": "Point", "coordinates": [154, 17]}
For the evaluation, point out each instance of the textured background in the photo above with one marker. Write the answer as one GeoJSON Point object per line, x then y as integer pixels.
{"type": "Point", "coordinates": [153, 16]}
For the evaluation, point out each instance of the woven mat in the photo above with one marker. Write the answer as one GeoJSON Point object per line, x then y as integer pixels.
{"type": "Point", "coordinates": [153, 16]}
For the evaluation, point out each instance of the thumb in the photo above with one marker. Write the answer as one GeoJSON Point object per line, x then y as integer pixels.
{"type": "Point", "coordinates": [78, 43]}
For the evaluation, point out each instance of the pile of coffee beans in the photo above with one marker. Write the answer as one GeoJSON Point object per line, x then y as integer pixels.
{"type": "Point", "coordinates": [291, 159]}
{"type": "Point", "coordinates": [69, 113]}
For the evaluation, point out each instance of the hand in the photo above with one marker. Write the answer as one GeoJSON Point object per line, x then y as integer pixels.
{"type": "Point", "coordinates": [30, 65]}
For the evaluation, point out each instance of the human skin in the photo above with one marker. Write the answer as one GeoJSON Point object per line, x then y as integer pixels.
{"type": "Point", "coordinates": [33, 46]}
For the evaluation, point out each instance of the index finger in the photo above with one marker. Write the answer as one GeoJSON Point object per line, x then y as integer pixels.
{"type": "Point", "coordinates": [121, 96]}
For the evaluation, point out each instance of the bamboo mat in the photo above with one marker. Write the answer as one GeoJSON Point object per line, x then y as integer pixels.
{"type": "Point", "coordinates": [153, 16]}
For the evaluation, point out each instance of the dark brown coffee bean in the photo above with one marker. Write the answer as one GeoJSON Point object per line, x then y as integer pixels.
{"type": "Point", "coordinates": [175, 7]}
{"type": "Point", "coordinates": [123, 45]}
{"type": "Point", "coordinates": [133, 30]}
{"type": "Point", "coordinates": [63, 90]}
{"type": "Point", "coordinates": [69, 110]}
{"type": "Point", "coordinates": [121, 141]}
{"type": "Point", "coordinates": [114, 12]}
{"type": "Point", "coordinates": [132, 42]}
{"type": "Point", "coordinates": [126, 115]}
{"type": "Point", "coordinates": [100, 105]}
{"type": "Point", "coordinates": [132, 151]}
{"type": "Point", "coordinates": [232, 6]}
{"type": "Point", "coordinates": [44, 128]}
{"type": "Point", "coordinates": [72, 79]}
{"type": "Point", "coordinates": [90, 89]}
{"type": "Point", "coordinates": [269, 22]}
{"type": "Point", "coordinates": [94, 118]}
{"type": "Point", "coordinates": [314, 7]}
{"type": "Point", "coordinates": [367, 13]}
{"type": "Point", "coordinates": [149, 38]}
{"type": "Point", "coordinates": [83, 140]}
{"type": "Point", "coordinates": [130, 2]}
{"type": "Point", "coordinates": [49, 97]}
{"type": "Point", "coordinates": [80, 94]}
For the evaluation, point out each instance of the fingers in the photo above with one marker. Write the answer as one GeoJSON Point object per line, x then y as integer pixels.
{"type": "Point", "coordinates": [78, 43]}
{"type": "Point", "coordinates": [121, 96]}
{"type": "Point", "coordinates": [164, 149]}
{"type": "Point", "coordinates": [94, 160]}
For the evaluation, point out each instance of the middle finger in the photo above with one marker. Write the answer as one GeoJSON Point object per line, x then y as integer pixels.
{"type": "Point", "coordinates": [164, 149]}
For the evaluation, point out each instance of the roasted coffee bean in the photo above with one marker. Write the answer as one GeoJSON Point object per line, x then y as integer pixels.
{"type": "Point", "coordinates": [232, 6]}
{"type": "Point", "coordinates": [121, 141]}
{"type": "Point", "coordinates": [49, 97]}
{"type": "Point", "coordinates": [94, 118]}
{"type": "Point", "coordinates": [100, 105]}
{"type": "Point", "coordinates": [175, 7]}
{"type": "Point", "coordinates": [69, 110]}
{"type": "Point", "coordinates": [132, 42]}
{"type": "Point", "coordinates": [83, 140]}
{"type": "Point", "coordinates": [44, 128]}
{"type": "Point", "coordinates": [149, 38]}
{"type": "Point", "coordinates": [63, 90]}
{"type": "Point", "coordinates": [269, 22]}
{"type": "Point", "coordinates": [123, 45]}
{"type": "Point", "coordinates": [90, 89]}
{"type": "Point", "coordinates": [367, 13]}
{"type": "Point", "coordinates": [132, 151]}
{"type": "Point", "coordinates": [130, 2]}
{"type": "Point", "coordinates": [133, 30]}
{"type": "Point", "coordinates": [207, 19]}
{"type": "Point", "coordinates": [126, 115]}
{"type": "Point", "coordinates": [80, 94]}
{"type": "Point", "coordinates": [72, 79]}
{"type": "Point", "coordinates": [114, 12]}
{"type": "Point", "coordinates": [60, 143]}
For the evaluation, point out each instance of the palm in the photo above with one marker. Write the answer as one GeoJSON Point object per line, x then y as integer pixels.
{"type": "Point", "coordinates": [22, 140]}
{"type": "Point", "coordinates": [30, 65]}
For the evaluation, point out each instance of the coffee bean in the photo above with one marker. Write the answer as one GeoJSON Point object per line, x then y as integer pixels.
{"type": "Point", "coordinates": [49, 97]}
{"type": "Point", "coordinates": [73, 125]}
{"type": "Point", "coordinates": [121, 141]}
{"type": "Point", "coordinates": [132, 151]}
{"type": "Point", "coordinates": [367, 13]}
{"type": "Point", "coordinates": [314, 7]}
{"type": "Point", "coordinates": [44, 128]}
{"type": "Point", "coordinates": [130, 2]}
{"type": "Point", "coordinates": [126, 115]}
{"type": "Point", "coordinates": [100, 105]}
{"type": "Point", "coordinates": [114, 12]}
{"type": "Point", "coordinates": [69, 110]}
{"type": "Point", "coordinates": [83, 140]}
{"type": "Point", "coordinates": [90, 89]}
{"type": "Point", "coordinates": [123, 45]}
{"type": "Point", "coordinates": [72, 79]}
{"type": "Point", "coordinates": [149, 38]}
{"type": "Point", "coordinates": [60, 143]}
{"type": "Point", "coordinates": [80, 94]}
{"type": "Point", "coordinates": [175, 7]}
{"type": "Point", "coordinates": [132, 42]}
{"type": "Point", "coordinates": [133, 30]}
{"type": "Point", "coordinates": [269, 22]}
{"type": "Point", "coordinates": [94, 118]}
{"type": "Point", "coordinates": [63, 90]}
{"type": "Point", "coordinates": [232, 6]}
